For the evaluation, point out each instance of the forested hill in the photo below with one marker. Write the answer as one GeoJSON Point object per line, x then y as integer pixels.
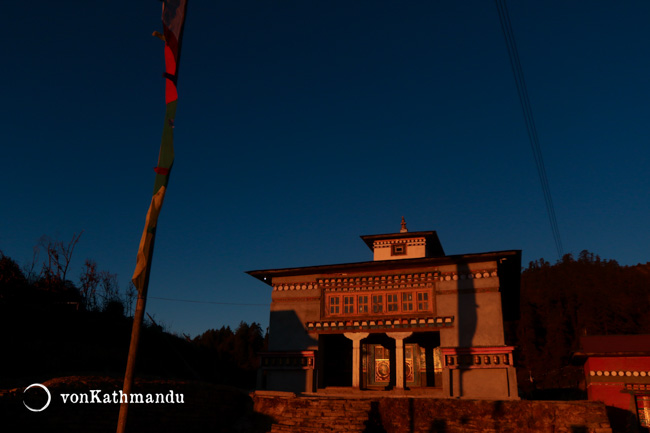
{"type": "Point", "coordinates": [574, 297]}
{"type": "Point", "coordinates": [53, 327]}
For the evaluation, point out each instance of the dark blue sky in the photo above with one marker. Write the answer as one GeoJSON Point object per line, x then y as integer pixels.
{"type": "Point", "coordinates": [302, 125]}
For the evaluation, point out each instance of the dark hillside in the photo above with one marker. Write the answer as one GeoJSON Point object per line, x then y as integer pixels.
{"type": "Point", "coordinates": [575, 297]}
{"type": "Point", "coordinates": [50, 331]}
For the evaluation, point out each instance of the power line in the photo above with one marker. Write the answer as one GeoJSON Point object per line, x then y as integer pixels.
{"type": "Point", "coordinates": [522, 91]}
{"type": "Point", "coordinates": [209, 302]}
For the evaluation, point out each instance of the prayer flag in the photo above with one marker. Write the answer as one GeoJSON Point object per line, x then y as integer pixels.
{"type": "Point", "coordinates": [173, 18]}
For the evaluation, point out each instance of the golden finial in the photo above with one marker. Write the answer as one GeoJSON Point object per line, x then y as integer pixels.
{"type": "Point", "coordinates": [403, 229]}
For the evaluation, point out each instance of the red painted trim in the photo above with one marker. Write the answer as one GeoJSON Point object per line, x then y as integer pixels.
{"type": "Point", "coordinates": [162, 170]}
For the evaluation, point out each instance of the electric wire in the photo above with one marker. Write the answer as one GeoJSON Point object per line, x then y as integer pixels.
{"type": "Point", "coordinates": [529, 119]}
{"type": "Point", "coordinates": [209, 302]}
{"type": "Point", "coordinates": [517, 70]}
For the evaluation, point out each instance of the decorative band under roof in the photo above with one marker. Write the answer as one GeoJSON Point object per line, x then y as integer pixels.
{"type": "Point", "coordinates": [378, 279]}
{"type": "Point", "coordinates": [468, 275]}
{"type": "Point", "coordinates": [295, 286]}
{"type": "Point", "coordinates": [395, 285]}
{"type": "Point", "coordinates": [389, 244]}
{"type": "Point", "coordinates": [388, 324]}
{"type": "Point", "coordinates": [619, 373]}
{"type": "Point", "coordinates": [385, 281]}
{"type": "Point", "coordinates": [400, 241]}
{"type": "Point", "coordinates": [402, 278]}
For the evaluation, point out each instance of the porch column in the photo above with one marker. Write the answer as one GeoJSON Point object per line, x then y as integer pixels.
{"type": "Point", "coordinates": [356, 338]}
{"type": "Point", "coordinates": [399, 356]}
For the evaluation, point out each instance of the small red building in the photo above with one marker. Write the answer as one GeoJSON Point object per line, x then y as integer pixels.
{"type": "Point", "coordinates": [617, 372]}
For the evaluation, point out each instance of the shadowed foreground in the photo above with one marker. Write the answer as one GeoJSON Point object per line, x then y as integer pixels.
{"type": "Point", "coordinates": [214, 408]}
{"type": "Point", "coordinates": [206, 408]}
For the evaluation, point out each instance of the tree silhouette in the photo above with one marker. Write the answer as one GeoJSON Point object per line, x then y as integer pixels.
{"type": "Point", "coordinates": [12, 279]}
{"type": "Point", "coordinates": [59, 256]}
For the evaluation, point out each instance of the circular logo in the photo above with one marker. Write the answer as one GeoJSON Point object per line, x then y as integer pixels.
{"type": "Point", "coordinates": [49, 397]}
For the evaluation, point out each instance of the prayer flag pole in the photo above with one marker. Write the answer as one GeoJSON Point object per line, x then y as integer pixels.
{"type": "Point", "coordinates": [173, 19]}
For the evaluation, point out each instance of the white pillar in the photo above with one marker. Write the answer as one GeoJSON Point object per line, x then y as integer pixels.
{"type": "Point", "coordinates": [356, 338]}
{"type": "Point", "coordinates": [399, 356]}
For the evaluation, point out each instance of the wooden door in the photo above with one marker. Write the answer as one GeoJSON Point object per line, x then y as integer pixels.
{"type": "Point", "coordinates": [378, 365]}
{"type": "Point", "coordinates": [412, 364]}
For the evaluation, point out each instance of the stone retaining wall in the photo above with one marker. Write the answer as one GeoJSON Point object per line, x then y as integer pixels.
{"type": "Point", "coordinates": [425, 415]}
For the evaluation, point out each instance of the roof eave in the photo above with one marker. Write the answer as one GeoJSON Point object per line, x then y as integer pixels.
{"type": "Point", "coordinates": [267, 275]}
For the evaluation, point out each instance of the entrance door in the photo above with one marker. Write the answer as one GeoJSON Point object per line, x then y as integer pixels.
{"type": "Point", "coordinates": [379, 365]}
{"type": "Point", "coordinates": [412, 364]}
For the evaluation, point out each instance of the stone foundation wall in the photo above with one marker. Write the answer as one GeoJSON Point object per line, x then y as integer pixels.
{"type": "Point", "coordinates": [425, 415]}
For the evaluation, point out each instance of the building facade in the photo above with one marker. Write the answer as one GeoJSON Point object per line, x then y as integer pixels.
{"type": "Point", "coordinates": [412, 319]}
{"type": "Point", "coordinates": [617, 372]}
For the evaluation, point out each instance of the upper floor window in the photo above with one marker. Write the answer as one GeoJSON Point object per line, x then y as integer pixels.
{"type": "Point", "coordinates": [398, 249]}
{"type": "Point", "coordinates": [407, 301]}
{"type": "Point", "coordinates": [377, 303]}
{"type": "Point", "coordinates": [391, 302]}
{"type": "Point", "coordinates": [373, 303]}
{"type": "Point", "coordinates": [363, 303]}
{"type": "Point", "coordinates": [348, 305]}
{"type": "Point", "coordinates": [423, 301]}
{"type": "Point", "coordinates": [335, 305]}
